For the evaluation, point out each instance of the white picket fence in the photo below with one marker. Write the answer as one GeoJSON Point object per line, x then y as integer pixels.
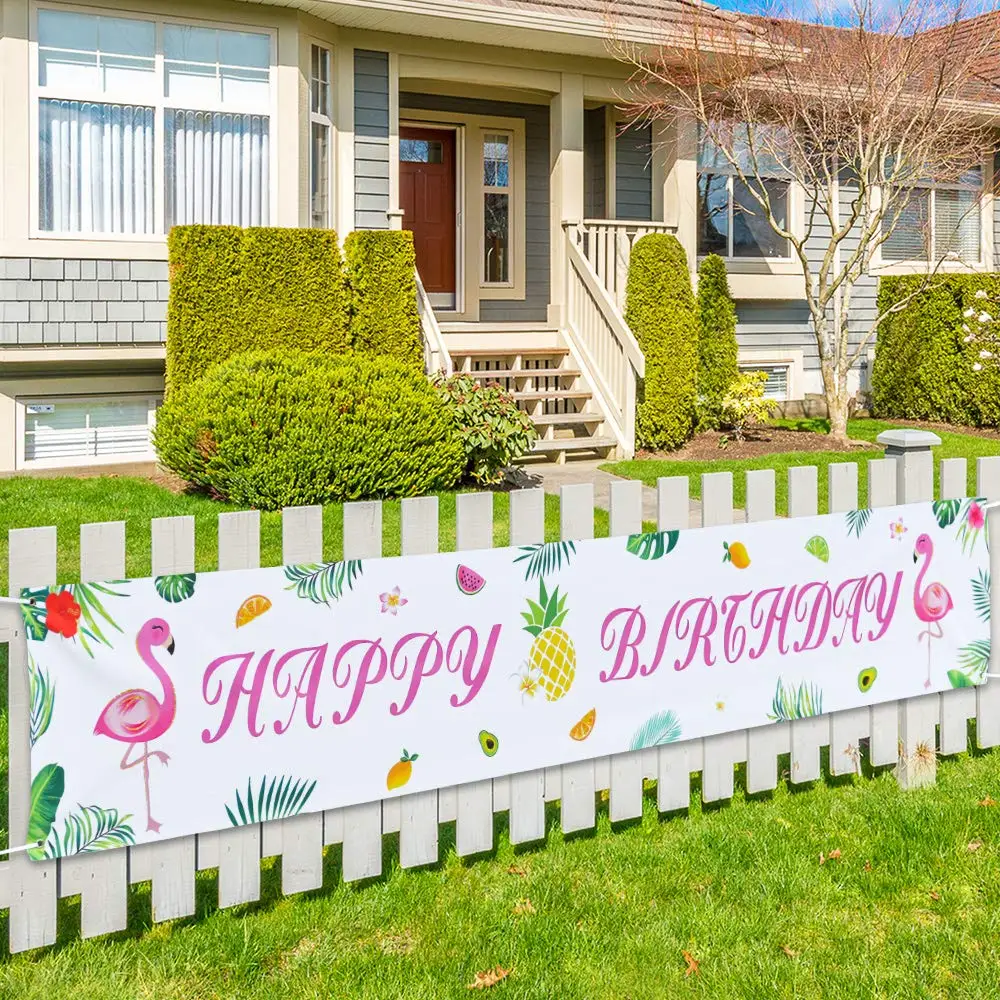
{"type": "Point", "coordinates": [898, 733]}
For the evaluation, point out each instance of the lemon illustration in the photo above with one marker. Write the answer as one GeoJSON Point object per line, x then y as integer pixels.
{"type": "Point", "coordinates": [736, 553]}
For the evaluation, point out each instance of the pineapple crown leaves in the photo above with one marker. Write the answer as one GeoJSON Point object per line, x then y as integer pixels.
{"type": "Point", "coordinates": [549, 612]}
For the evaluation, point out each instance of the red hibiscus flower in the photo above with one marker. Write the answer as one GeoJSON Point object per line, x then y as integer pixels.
{"type": "Point", "coordinates": [977, 519]}
{"type": "Point", "coordinates": [63, 614]}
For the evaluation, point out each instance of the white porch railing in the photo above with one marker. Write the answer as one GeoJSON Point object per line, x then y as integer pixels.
{"type": "Point", "coordinates": [602, 343]}
{"type": "Point", "coordinates": [607, 245]}
{"type": "Point", "coordinates": [436, 356]}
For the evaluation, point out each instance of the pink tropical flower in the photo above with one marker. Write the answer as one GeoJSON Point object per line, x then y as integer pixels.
{"type": "Point", "coordinates": [897, 529]}
{"type": "Point", "coordinates": [392, 601]}
{"type": "Point", "coordinates": [977, 519]}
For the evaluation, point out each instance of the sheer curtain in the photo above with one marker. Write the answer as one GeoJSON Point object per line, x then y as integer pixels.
{"type": "Point", "coordinates": [217, 168]}
{"type": "Point", "coordinates": [96, 167]}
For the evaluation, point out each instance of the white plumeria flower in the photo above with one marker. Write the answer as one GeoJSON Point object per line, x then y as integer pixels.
{"type": "Point", "coordinates": [985, 354]}
{"type": "Point", "coordinates": [966, 328]}
{"type": "Point", "coordinates": [969, 313]}
{"type": "Point", "coordinates": [985, 317]}
{"type": "Point", "coordinates": [981, 294]}
{"type": "Point", "coordinates": [977, 367]}
{"type": "Point", "coordinates": [970, 338]}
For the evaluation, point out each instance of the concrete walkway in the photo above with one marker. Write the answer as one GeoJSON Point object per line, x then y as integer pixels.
{"type": "Point", "coordinates": [551, 476]}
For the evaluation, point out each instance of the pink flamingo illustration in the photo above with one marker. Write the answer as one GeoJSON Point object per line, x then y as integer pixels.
{"type": "Point", "coordinates": [932, 602]}
{"type": "Point", "coordinates": [136, 716]}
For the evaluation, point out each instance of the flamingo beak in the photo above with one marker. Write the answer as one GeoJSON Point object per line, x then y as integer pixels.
{"type": "Point", "coordinates": [170, 646]}
{"type": "Point", "coordinates": [914, 555]}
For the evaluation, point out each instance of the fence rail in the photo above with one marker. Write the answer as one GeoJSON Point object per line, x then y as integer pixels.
{"type": "Point", "coordinates": [894, 731]}
{"type": "Point", "coordinates": [436, 356]}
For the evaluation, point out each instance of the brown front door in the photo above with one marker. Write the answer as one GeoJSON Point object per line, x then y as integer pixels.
{"type": "Point", "coordinates": [427, 198]}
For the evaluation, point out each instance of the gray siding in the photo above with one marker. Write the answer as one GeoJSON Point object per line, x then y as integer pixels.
{"type": "Point", "coordinates": [594, 165]}
{"type": "Point", "coordinates": [65, 302]}
{"type": "Point", "coordinates": [762, 326]}
{"type": "Point", "coordinates": [863, 296]}
{"type": "Point", "coordinates": [534, 307]}
{"type": "Point", "coordinates": [371, 139]}
{"type": "Point", "coordinates": [633, 176]}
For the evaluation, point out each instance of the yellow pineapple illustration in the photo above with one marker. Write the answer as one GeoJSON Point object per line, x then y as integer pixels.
{"type": "Point", "coordinates": [552, 657]}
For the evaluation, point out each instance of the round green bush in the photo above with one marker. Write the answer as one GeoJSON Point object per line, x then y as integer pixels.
{"type": "Point", "coordinates": [278, 429]}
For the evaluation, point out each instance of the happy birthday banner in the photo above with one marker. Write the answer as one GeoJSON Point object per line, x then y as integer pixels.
{"type": "Point", "coordinates": [190, 703]}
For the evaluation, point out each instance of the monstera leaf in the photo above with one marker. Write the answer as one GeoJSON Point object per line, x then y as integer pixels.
{"type": "Point", "coordinates": [176, 587]}
{"type": "Point", "coordinates": [946, 511]}
{"type": "Point", "coordinates": [652, 544]}
{"type": "Point", "coordinates": [46, 794]}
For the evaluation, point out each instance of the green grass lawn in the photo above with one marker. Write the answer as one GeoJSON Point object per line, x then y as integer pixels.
{"type": "Point", "coordinates": [953, 445]}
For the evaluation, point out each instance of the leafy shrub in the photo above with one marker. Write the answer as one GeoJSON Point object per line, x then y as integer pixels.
{"type": "Point", "coordinates": [493, 431]}
{"type": "Point", "coordinates": [717, 350]}
{"type": "Point", "coordinates": [234, 290]}
{"type": "Point", "coordinates": [660, 310]}
{"type": "Point", "coordinates": [381, 275]}
{"type": "Point", "coordinates": [745, 405]}
{"type": "Point", "coordinates": [925, 362]}
{"type": "Point", "coordinates": [283, 428]}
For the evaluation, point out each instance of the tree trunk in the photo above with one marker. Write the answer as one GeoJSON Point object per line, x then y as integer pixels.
{"type": "Point", "coordinates": [835, 390]}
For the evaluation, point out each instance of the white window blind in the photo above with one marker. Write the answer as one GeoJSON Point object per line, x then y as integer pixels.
{"type": "Point", "coordinates": [936, 222]}
{"type": "Point", "coordinates": [776, 386]}
{"type": "Point", "coordinates": [63, 431]}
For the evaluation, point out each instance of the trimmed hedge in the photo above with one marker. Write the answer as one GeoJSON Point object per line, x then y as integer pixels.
{"type": "Point", "coordinates": [233, 290]}
{"type": "Point", "coordinates": [923, 368]}
{"type": "Point", "coordinates": [381, 274]}
{"type": "Point", "coordinates": [285, 428]}
{"type": "Point", "coordinates": [717, 350]}
{"type": "Point", "coordinates": [660, 309]}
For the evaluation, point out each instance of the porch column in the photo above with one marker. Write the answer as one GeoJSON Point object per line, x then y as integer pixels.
{"type": "Point", "coordinates": [344, 159]}
{"type": "Point", "coordinates": [675, 181]}
{"type": "Point", "coordinates": [565, 179]}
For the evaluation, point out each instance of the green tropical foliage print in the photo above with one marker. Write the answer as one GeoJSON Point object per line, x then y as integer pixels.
{"type": "Point", "coordinates": [176, 587]}
{"type": "Point", "coordinates": [857, 521]}
{"type": "Point", "coordinates": [974, 657]}
{"type": "Point", "coordinates": [94, 617]}
{"type": "Point", "coordinates": [945, 511]}
{"type": "Point", "coordinates": [42, 692]}
{"type": "Point", "coordinates": [274, 798]}
{"type": "Point", "coordinates": [46, 793]}
{"type": "Point", "coordinates": [790, 703]}
{"type": "Point", "coordinates": [657, 731]}
{"type": "Point", "coordinates": [545, 558]}
{"type": "Point", "coordinates": [652, 544]}
{"type": "Point", "coordinates": [971, 524]}
{"type": "Point", "coordinates": [90, 829]}
{"type": "Point", "coordinates": [322, 583]}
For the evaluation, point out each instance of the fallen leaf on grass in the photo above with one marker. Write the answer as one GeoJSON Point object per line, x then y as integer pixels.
{"type": "Point", "coordinates": [692, 964]}
{"type": "Point", "coordinates": [868, 866]}
{"type": "Point", "coordinates": [523, 906]}
{"type": "Point", "coordinates": [788, 951]}
{"type": "Point", "coordinates": [936, 896]}
{"type": "Point", "coordinates": [834, 855]}
{"type": "Point", "coordinates": [516, 870]}
{"type": "Point", "coordinates": [974, 845]}
{"type": "Point", "coordinates": [484, 980]}
{"type": "Point", "coordinates": [988, 801]}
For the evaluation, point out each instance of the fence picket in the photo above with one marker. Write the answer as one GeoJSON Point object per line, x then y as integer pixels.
{"type": "Point", "coordinates": [578, 786]}
{"type": "Point", "coordinates": [170, 866]}
{"type": "Point", "coordinates": [32, 885]}
{"type": "Point", "coordinates": [101, 879]}
{"type": "Point", "coordinates": [474, 805]}
{"type": "Point", "coordinates": [625, 770]}
{"type": "Point", "coordinates": [359, 827]}
{"type": "Point", "coordinates": [988, 695]}
{"type": "Point", "coordinates": [526, 790]}
{"type": "Point", "coordinates": [418, 813]}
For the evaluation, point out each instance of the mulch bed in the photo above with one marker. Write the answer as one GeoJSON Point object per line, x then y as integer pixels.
{"type": "Point", "coordinates": [713, 446]}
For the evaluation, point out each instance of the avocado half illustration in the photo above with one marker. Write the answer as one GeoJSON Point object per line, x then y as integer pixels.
{"type": "Point", "coordinates": [489, 743]}
{"type": "Point", "coordinates": [866, 679]}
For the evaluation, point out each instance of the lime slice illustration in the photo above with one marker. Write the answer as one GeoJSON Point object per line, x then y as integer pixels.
{"type": "Point", "coordinates": [817, 546]}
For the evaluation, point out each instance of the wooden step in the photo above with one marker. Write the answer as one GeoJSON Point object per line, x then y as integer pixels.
{"type": "Point", "coordinates": [496, 352]}
{"type": "Point", "coordinates": [522, 373]}
{"type": "Point", "coordinates": [541, 394]}
{"type": "Point", "coordinates": [596, 443]}
{"type": "Point", "coordinates": [565, 419]}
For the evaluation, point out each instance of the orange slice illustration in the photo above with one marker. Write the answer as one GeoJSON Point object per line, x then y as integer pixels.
{"type": "Point", "coordinates": [585, 726]}
{"type": "Point", "coordinates": [251, 608]}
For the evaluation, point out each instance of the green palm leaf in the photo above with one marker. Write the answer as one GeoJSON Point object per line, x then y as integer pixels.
{"type": "Point", "coordinates": [90, 829]}
{"type": "Point", "coordinates": [656, 731]}
{"type": "Point", "coordinates": [857, 521]}
{"type": "Point", "coordinates": [277, 798]}
{"type": "Point", "coordinates": [92, 611]}
{"type": "Point", "coordinates": [46, 793]}
{"type": "Point", "coordinates": [545, 557]}
{"type": "Point", "coordinates": [975, 657]}
{"type": "Point", "coordinates": [43, 695]}
{"type": "Point", "coordinates": [790, 703]}
{"type": "Point", "coordinates": [322, 583]}
{"type": "Point", "coordinates": [981, 595]}
{"type": "Point", "coordinates": [946, 511]}
{"type": "Point", "coordinates": [176, 587]}
{"type": "Point", "coordinates": [652, 544]}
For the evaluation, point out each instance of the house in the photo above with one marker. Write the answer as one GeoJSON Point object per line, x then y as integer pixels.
{"type": "Point", "coordinates": [488, 127]}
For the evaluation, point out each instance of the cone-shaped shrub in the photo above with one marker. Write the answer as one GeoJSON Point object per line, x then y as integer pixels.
{"type": "Point", "coordinates": [717, 351]}
{"type": "Point", "coordinates": [660, 309]}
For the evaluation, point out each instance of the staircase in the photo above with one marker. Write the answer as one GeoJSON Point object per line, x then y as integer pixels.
{"type": "Point", "coordinates": [537, 367]}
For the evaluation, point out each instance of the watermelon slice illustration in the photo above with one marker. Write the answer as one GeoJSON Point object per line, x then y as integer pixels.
{"type": "Point", "coordinates": [469, 581]}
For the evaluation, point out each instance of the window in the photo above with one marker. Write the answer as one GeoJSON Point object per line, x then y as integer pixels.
{"type": "Point", "coordinates": [320, 138]}
{"type": "Point", "coordinates": [123, 102]}
{"type": "Point", "coordinates": [69, 430]}
{"type": "Point", "coordinates": [937, 221]}
{"type": "Point", "coordinates": [776, 386]}
{"type": "Point", "coordinates": [731, 222]}
{"type": "Point", "coordinates": [497, 188]}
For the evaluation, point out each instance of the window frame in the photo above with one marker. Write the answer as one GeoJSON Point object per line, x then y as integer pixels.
{"type": "Point", "coordinates": [327, 121]}
{"type": "Point", "coordinates": [486, 189]}
{"type": "Point", "coordinates": [157, 99]}
{"type": "Point", "coordinates": [932, 259]}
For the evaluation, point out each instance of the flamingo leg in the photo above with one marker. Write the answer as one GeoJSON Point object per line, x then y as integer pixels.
{"type": "Point", "coordinates": [126, 764]}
